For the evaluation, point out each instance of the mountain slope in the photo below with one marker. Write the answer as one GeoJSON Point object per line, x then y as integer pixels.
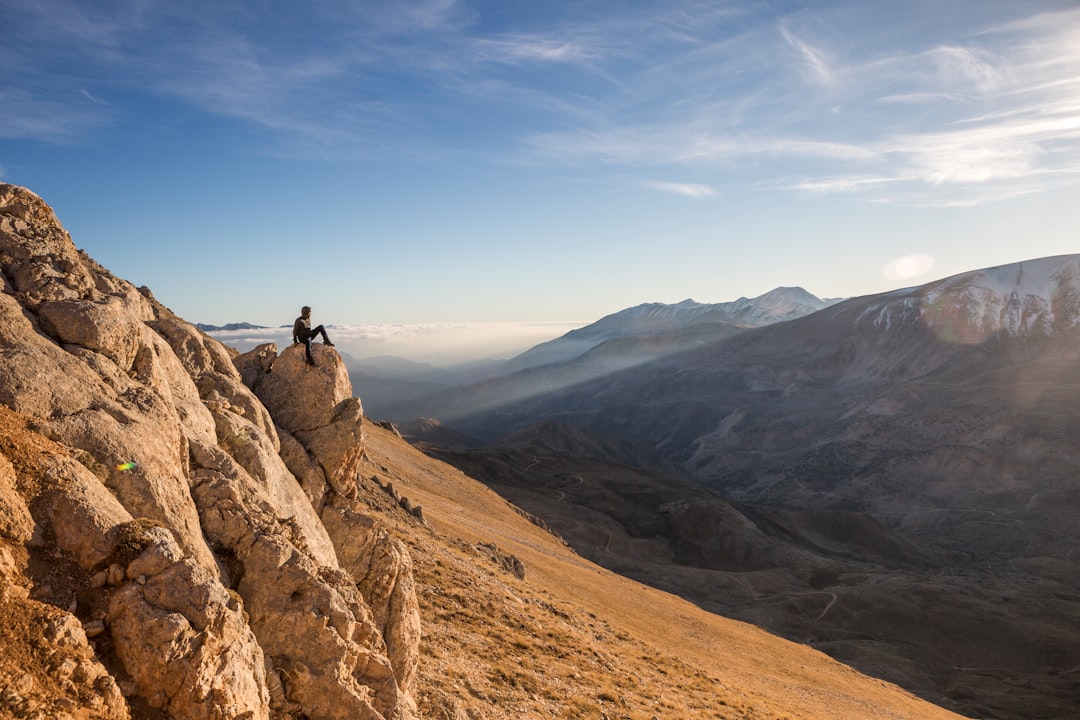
{"type": "Point", "coordinates": [573, 640]}
{"type": "Point", "coordinates": [659, 319]}
{"type": "Point", "coordinates": [604, 358]}
{"type": "Point", "coordinates": [951, 329]}
{"type": "Point", "coordinates": [946, 413]}
{"type": "Point", "coordinates": [995, 640]}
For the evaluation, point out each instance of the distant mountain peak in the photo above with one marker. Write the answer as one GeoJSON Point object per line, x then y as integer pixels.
{"type": "Point", "coordinates": [230, 326]}
{"type": "Point", "coordinates": [655, 319]}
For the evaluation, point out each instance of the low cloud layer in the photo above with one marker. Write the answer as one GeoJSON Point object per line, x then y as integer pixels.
{"type": "Point", "coordinates": [440, 344]}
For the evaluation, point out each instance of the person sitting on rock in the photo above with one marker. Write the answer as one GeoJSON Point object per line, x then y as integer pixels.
{"type": "Point", "coordinates": [302, 332]}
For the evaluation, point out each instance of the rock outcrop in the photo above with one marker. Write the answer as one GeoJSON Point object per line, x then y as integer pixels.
{"type": "Point", "coordinates": [321, 431]}
{"type": "Point", "coordinates": [180, 542]}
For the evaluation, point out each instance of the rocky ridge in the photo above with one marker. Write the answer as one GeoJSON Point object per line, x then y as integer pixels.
{"type": "Point", "coordinates": [168, 491]}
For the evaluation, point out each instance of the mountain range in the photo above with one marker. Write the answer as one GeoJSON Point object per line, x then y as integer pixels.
{"type": "Point", "coordinates": [660, 320]}
{"type": "Point", "coordinates": [891, 478]}
{"type": "Point", "coordinates": [192, 533]}
{"type": "Point", "coordinates": [622, 340]}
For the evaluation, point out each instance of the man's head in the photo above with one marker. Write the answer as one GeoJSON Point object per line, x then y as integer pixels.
{"type": "Point", "coordinates": [305, 311]}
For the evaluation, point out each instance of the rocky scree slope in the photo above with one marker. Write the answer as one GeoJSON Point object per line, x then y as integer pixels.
{"type": "Point", "coordinates": [147, 493]}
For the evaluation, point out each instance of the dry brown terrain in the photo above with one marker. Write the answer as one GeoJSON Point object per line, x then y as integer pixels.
{"type": "Point", "coordinates": [574, 640]}
{"type": "Point", "coordinates": [893, 480]}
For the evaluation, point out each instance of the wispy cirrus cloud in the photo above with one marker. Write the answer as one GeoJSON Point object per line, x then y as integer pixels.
{"type": "Point", "coordinates": [742, 94]}
{"type": "Point", "coordinates": [991, 117]}
{"type": "Point", "coordinates": [691, 190]}
{"type": "Point", "coordinates": [814, 59]}
{"type": "Point", "coordinates": [525, 48]}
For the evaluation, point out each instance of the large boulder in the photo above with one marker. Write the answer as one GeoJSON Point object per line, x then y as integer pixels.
{"type": "Point", "coordinates": [382, 568]}
{"type": "Point", "coordinates": [39, 259]}
{"type": "Point", "coordinates": [314, 404]}
{"type": "Point", "coordinates": [106, 326]}
{"type": "Point", "coordinates": [301, 396]}
{"type": "Point", "coordinates": [180, 636]}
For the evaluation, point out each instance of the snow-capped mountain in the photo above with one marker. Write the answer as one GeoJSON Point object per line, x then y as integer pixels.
{"type": "Point", "coordinates": [653, 319]}
{"type": "Point", "coordinates": [1035, 297]}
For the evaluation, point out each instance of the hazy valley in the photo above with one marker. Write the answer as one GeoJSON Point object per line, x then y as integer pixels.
{"type": "Point", "coordinates": [891, 478]}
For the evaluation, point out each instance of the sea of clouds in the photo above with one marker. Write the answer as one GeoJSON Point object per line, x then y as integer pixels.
{"type": "Point", "coordinates": [440, 344]}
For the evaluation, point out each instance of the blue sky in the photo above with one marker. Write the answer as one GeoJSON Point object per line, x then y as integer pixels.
{"type": "Point", "coordinates": [444, 161]}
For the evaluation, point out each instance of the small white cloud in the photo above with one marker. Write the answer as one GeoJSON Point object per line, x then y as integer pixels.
{"type": "Point", "coordinates": [523, 49]}
{"type": "Point", "coordinates": [908, 267]}
{"type": "Point", "coordinates": [93, 98]}
{"type": "Point", "coordinates": [694, 190]}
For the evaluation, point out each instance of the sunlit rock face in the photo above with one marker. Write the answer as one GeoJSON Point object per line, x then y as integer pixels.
{"type": "Point", "coordinates": [160, 481]}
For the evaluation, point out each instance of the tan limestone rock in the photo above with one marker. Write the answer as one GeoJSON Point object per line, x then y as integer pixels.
{"type": "Point", "coordinates": [220, 392]}
{"type": "Point", "coordinates": [338, 447]}
{"type": "Point", "coordinates": [83, 399]}
{"type": "Point", "coordinates": [183, 638]}
{"type": "Point", "coordinates": [322, 442]}
{"type": "Point", "coordinates": [158, 370]}
{"type": "Point", "coordinates": [81, 512]}
{"type": "Point", "coordinates": [197, 352]}
{"type": "Point", "coordinates": [30, 232]}
{"type": "Point", "coordinates": [314, 626]}
{"type": "Point", "coordinates": [255, 363]}
{"type": "Point", "coordinates": [302, 397]}
{"type": "Point", "coordinates": [15, 521]}
{"type": "Point", "coordinates": [316, 406]}
{"type": "Point", "coordinates": [253, 451]}
{"type": "Point", "coordinates": [37, 378]}
{"type": "Point", "coordinates": [43, 265]}
{"type": "Point", "coordinates": [305, 469]}
{"type": "Point", "coordinates": [143, 461]}
{"type": "Point", "coordinates": [48, 667]}
{"type": "Point", "coordinates": [105, 326]}
{"type": "Point", "coordinates": [382, 568]}
{"type": "Point", "coordinates": [166, 429]}
{"type": "Point", "coordinates": [308, 617]}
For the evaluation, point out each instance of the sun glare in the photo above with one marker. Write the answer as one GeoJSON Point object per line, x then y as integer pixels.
{"type": "Point", "coordinates": [908, 266]}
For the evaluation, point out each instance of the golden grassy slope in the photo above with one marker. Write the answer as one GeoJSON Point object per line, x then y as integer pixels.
{"type": "Point", "coordinates": [572, 640]}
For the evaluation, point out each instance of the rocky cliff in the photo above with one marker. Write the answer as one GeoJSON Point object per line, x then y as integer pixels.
{"type": "Point", "coordinates": [147, 490]}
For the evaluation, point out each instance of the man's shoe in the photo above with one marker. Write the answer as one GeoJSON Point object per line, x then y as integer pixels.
{"type": "Point", "coordinates": [328, 344]}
